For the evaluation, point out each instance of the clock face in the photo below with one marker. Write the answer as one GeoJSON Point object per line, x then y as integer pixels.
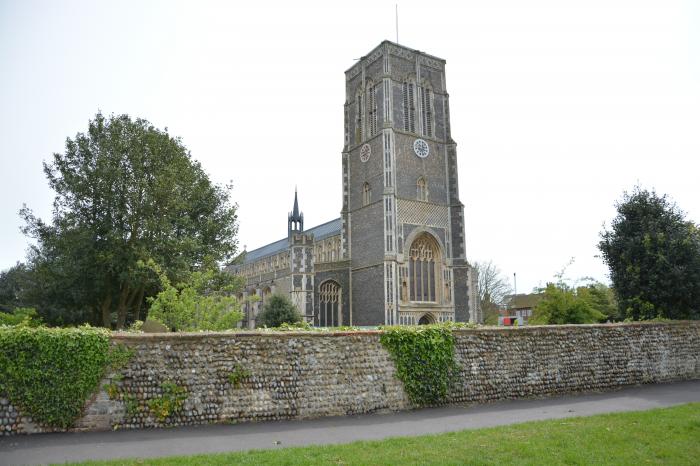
{"type": "Point", "coordinates": [420, 147]}
{"type": "Point", "coordinates": [365, 152]}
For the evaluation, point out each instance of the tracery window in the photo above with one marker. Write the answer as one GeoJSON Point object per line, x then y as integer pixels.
{"type": "Point", "coordinates": [409, 107]}
{"type": "Point", "coordinates": [329, 305]}
{"type": "Point", "coordinates": [366, 194]}
{"type": "Point", "coordinates": [421, 189]}
{"type": "Point", "coordinates": [424, 269]}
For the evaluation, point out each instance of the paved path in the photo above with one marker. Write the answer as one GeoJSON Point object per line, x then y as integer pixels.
{"type": "Point", "coordinates": [40, 449]}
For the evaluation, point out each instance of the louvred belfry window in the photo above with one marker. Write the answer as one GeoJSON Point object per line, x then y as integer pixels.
{"type": "Point", "coordinates": [409, 107]}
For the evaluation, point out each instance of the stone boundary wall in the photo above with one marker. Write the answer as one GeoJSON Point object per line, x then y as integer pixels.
{"type": "Point", "coordinates": [300, 375]}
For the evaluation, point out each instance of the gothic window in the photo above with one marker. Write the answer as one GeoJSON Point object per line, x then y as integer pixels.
{"type": "Point", "coordinates": [426, 110]}
{"type": "Point", "coordinates": [424, 269]}
{"type": "Point", "coordinates": [421, 189]}
{"type": "Point", "coordinates": [329, 305]}
{"type": "Point", "coordinates": [366, 194]}
{"type": "Point", "coordinates": [359, 111]}
{"type": "Point", "coordinates": [409, 107]}
{"type": "Point", "coordinates": [372, 109]}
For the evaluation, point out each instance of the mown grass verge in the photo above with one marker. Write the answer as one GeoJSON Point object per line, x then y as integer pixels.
{"type": "Point", "coordinates": [660, 436]}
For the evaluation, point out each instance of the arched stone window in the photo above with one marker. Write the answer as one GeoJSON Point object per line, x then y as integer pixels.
{"type": "Point", "coordinates": [266, 292]}
{"type": "Point", "coordinates": [421, 189]}
{"type": "Point", "coordinates": [366, 194]}
{"type": "Point", "coordinates": [329, 304]}
{"type": "Point", "coordinates": [424, 269]}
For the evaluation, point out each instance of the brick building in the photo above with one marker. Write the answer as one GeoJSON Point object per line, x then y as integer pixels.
{"type": "Point", "coordinates": [396, 254]}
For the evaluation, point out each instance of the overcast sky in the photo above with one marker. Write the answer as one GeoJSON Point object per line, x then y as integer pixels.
{"type": "Point", "coordinates": [557, 106]}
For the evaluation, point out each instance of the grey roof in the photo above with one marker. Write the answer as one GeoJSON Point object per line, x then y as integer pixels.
{"type": "Point", "coordinates": [320, 232]}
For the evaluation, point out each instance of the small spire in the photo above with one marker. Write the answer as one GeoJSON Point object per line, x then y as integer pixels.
{"type": "Point", "coordinates": [296, 219]}
{"type": "Point", "coordinates": [295, 211]}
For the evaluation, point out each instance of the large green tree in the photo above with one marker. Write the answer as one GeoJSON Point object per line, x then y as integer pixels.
{"type": "Point", "coordinates": [126, 193]}
{"type": "Point", "coordinates": [653, 254]}
{"type": "Point", "coordinates": [562, 304]}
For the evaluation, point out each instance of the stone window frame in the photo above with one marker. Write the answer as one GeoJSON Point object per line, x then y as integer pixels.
{"type": "Point", "coordinates": [425, 269]}
{"type": "Point", "coordinates": [422, 192]}
{"type": "Point", "coordinates": [366, 194]}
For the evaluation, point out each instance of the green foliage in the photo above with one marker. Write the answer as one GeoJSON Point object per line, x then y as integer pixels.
{"type": "Point", "coordinates": [126, 193]}
{"type": "Point", "coordinates": [424, 358]}
{"type": "Point", "coordinates": [24, 316]}
{"type": "Point", "coordinates": [202, 303]}
{"type": "Point", "coordinates": [49, 373]}
{"type": "Point", "coordinates": [170, 402]}
{"type": "Point", "coordinates": [653, 254]}
{"type": "Point", "coordinates": [278, 310]}
{"type": "Point", "coordinates": [119, 356]}
{"type": "Point", "coordinates": [237, 375]}
{"type": "Point", "coordinates": [563, 305]}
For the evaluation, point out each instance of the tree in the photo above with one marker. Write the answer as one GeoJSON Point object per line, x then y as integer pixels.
{"type": "Point", "coordinates": [204, 302]}
{"type": "Point", "coordinates": [493, 288]}
{"type": "Point", "coordinates": [126, 194]}
{"type": "Point", "coordinates": [601, 298]}
{"type": "Point", "coordinates": [561, 304]}
{"type": "Point", "coordinates": [278, 310]}
{"type": "Point", "coordinates": [653, 254]}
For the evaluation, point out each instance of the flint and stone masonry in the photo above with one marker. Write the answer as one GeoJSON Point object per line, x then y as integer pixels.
{"type": "Point", "coordinates": [314, 374]}
{"type": "Point", "coordinates": [397, 253]}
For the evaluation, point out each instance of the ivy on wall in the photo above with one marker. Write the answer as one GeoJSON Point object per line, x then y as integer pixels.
{"type": "Point", "coordinates": [49, 373]}
{"type": "Point", "coordinates": [424, 358]}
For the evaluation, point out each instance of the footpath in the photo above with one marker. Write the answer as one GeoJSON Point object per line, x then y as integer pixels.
{"type": "Point", "coordinates": [64, 447]}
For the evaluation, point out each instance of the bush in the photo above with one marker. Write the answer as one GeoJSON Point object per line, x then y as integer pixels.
{"type": "Point", "coordinates": [201, 303]}
{"type": "Point", "coordinates": [278, 310]}
{"type": "Point", "coordinates": [48, 373]}
{"type": "Point", "coordinates": [25, 316]}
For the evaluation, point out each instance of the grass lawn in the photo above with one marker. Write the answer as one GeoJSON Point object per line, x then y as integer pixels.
{"type": "Point", "coordinates": [660, 436]}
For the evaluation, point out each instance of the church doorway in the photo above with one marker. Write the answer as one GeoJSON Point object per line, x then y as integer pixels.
{"type": "Point", "coordinates": [426, 319]}
{"type": "Point", "coordinates": [329, 305]}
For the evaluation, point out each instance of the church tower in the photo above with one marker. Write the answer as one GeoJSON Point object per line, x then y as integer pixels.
{"type": "Point", "coordinates": [402, 219]}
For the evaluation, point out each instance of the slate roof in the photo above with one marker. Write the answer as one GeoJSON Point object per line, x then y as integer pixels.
{"type": "Point", "coordinates": [320, 232]}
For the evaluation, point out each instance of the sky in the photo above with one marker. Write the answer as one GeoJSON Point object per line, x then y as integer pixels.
{"type": "Point", "coordinates": [558, 107]}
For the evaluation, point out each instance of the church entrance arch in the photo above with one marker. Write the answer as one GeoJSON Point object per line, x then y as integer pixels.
{"type": "Point", "coordinates": [426, 319]}
{"type": "Point", "coordinates": [330, 304]}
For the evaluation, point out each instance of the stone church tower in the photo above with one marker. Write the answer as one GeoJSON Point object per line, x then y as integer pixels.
{"type": "Point", "coordinates": [397, 253]}
{"type": "Point", "coordinates": [402, 220]}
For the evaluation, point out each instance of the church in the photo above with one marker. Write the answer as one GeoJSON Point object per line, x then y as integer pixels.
{"type": "Point", "coordinates": [396, 255]}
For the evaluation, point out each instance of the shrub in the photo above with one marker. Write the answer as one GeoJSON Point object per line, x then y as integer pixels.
{"type": "Point", "coordinates": [201, 303]}
{"type": "Point", "coordinates": [26, 316]}
{"type": "Point", "coordinates": [424, 358]}
{"type": "Point", "coordinates": [49, 373]}
{"type": "Point", "coordinates": [278, 310]}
